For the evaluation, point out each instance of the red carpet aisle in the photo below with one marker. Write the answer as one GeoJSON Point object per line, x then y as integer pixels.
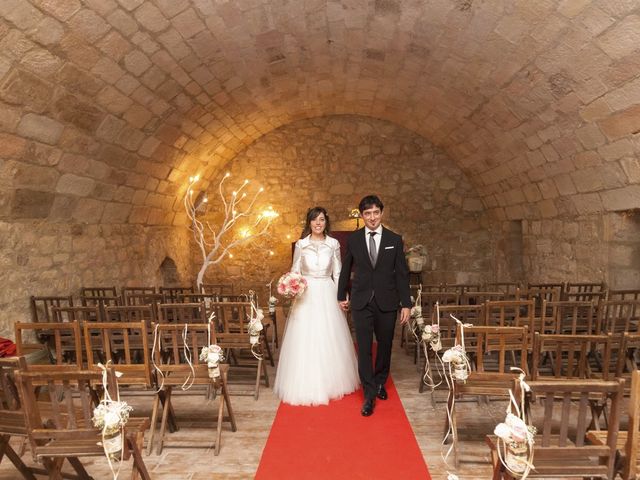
{"type": "Point", "coordinates": [335, 442]}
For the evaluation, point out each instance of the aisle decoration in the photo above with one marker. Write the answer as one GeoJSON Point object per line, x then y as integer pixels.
{"type": "Point", "coordinates": [111, 416]}
{"type": "Point", "coordinates": [255, 326]}
{"type": "Point", "coordinates": [292, 285]}
{"type": "Point", "coordinates": [213, 355]}
{"type": "Point", "coordinates": [427, 335]}
{"type": "Point", "coordinates": [515, 435]}
{"type": "Point", "coordinates": [457, 371]}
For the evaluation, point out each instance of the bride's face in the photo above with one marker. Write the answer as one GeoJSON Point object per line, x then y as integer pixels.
{"type": "Point", "coordinates": [318, 224]}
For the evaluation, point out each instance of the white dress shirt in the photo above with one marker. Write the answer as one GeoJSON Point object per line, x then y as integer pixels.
{"type": "Point", "coordinates": [376, 238]}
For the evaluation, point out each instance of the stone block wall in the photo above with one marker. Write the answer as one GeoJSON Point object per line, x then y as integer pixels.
{"type": "Point", "coordinates": [584, 248]}
{"type": "Point", "coordinates": [57, 259]}
{"type": "Point", "coordinates": [334, 161]}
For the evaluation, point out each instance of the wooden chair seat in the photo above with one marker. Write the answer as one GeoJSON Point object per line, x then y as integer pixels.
{"type": "Point", "coordinates": [580, 463]}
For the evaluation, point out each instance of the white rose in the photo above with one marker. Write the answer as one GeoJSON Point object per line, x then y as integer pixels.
{"type": "Point", "coordinates": [111, 419]}
{"type": "Point", "coordinates": [503, 431]}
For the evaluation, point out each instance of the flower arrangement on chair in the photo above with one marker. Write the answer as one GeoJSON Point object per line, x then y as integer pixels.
{"type": "Point", "coordinates": [292, 285]}
{"type": "Point", "coordinates": [111, 416]}
{"type": "Point", "coordinates": [515, 436]}
{"type": "Point", "coordinates": [213, 355]}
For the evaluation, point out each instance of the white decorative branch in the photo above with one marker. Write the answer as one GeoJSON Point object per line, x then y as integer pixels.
{"type": "Point", "coordinates": [210, 239]}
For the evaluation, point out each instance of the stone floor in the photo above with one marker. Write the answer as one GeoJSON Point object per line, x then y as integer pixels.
{"type": "Point", "coordinates": [192, 458]}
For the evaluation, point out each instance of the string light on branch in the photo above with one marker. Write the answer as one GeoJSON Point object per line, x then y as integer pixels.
{"type": "Point", "coordinates": [215, 242]}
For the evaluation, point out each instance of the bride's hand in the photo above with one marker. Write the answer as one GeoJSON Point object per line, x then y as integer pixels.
{"type": "Point", "coordinates": [344, 305]}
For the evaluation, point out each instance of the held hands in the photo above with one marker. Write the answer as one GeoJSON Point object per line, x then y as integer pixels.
{"type": "Point", "coordinates": [344, 305]}
{"type": "Point", "coordinates": [405, 314]}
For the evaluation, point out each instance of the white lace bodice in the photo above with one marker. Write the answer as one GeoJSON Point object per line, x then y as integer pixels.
{"type": "Point", "coordinates": [317, 259]}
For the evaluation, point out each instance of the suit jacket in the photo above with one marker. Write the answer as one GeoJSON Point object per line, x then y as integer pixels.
{"type": "Point", "coordinates": [388, 279]}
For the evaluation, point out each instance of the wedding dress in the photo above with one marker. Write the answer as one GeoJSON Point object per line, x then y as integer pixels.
{"type": "Point", "coordinates": [317, 359]}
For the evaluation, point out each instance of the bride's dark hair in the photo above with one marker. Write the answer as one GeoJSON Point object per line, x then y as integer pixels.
{"type": "Point", "coordinates": [312, 214]}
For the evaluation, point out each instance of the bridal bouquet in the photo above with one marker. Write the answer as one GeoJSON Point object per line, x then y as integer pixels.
{"type": "Point", "coordinates": [291, 285]}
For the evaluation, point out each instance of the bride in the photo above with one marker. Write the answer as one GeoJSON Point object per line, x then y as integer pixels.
{"type": "Point", "coordinates": [317, 359]}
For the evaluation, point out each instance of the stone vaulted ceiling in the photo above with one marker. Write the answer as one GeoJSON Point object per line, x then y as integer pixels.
{"type": "Point", "coordinates": [108, 106]}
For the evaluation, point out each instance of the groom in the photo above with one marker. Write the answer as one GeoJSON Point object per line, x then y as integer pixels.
{"type": "Point", "coordinates": [380, 287]}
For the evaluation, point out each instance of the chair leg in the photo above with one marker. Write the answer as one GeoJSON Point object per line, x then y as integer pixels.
{"type": "Point", "coordinates": [266, 374]}
{"type": "Point", "coordinates": [219, 427]}
{"type": "Point", "coordinates": [138, 463]}
{"type": "Point", "coordinates": [79, 468]}
{"type": "Point", "coordinates": [154, 419]}
{"type": "Point", "coordinates": [227, 400]}
{"type": "Point", "coordinates": [256, 390]}
{"type": "Point", "coordinates": [14, 458]}
{"type": "Point", "coordinates": [268, 350]}
{"type": "Point", "coordinates": [165, 415]}
{"type": "Point", "coordinates": [54, 467]}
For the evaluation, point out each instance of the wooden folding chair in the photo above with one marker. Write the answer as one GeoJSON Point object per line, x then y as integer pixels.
{"type": "Point", "coordinates": [628, 441]}
{"type": "Point", "coordinates": [175, 344]}
{"type": "Point", "coordinates": [127, 345]}
{"type": "Point", "coordinates": [63, 345]}
{"type": "Point", "coordinates": [565, 357]}
{"type": "Point", "coordinates": [66, 429]}
{"type": "Point", "coordinates": [182, 313]}
{"type": "Point", "coordinates": [467, 314]}
{"type": "Point", "coordinates": [619, 316]}
{"type": "Point", "coordinates": [629, 294]}
{"type": "Point", "coordinates": [12, 420]}
{"type": "Point", "coordinates": [492, 352]}
{"type": "Point", "coordinates": [512, 313]}
{"type": "Point", "coordinates": [41, 307]}
{"type": "Point", "coordinates": [560, 449]}
{"type": "Point", "coordinates": [98, 292]}
{"type": "Point", "coordinates": [568, 317]}
{"type": "Point", "coordinates": [171, 293]}
{"type": "Point", "coordinates": [232, 319]}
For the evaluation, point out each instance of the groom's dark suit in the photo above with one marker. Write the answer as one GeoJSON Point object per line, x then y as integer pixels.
{"type": "Point", "coordinates": [377, 292]}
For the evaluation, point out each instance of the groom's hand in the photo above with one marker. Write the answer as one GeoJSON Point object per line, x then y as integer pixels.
{"type": "Point", "coordinates": [405, 314]}
{"type": "Point", "coordinates": [344, 305]}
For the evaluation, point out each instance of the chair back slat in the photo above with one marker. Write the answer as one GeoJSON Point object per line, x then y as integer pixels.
{"type": "Point", "coordinates": [171, 293]}
{"type": "Point", "coordinates": [572, 356]}
{"type": "Point", "coordinates": [619, 316]}
{"type": "Point", "coordinates": [41, 307]}
{"type": "Point", "coordinates": [63, 342]}
{"type": "Point", "coordinates": [231, 317]}
{"type": "Point", "coordinates": [182, 313]}
{"type": "Point", "coordinates": [125, 344]}
{"type": "Point", "coordinates": [217, 288]}
{"type": "Point", "coordinates": [98, 292]}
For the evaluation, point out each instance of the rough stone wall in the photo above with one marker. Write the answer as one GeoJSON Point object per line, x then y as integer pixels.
{"type": "Point", "coordinates": [57, 259]}
{"type": "Point", "coordinates": [333, 162]}
{"type": "Point", "coordinates": [584, 248]}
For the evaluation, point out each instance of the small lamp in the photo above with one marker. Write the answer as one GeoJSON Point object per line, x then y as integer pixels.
{"type": "Point", "coordinates": [355, 213]}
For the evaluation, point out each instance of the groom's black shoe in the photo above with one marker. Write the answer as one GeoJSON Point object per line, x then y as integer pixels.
{"type": "Point", "coordinates": [367, 407]}
{"type": "Point", "coordinates": [382, 393]}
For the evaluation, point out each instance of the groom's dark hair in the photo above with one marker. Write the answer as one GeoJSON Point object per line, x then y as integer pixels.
{"type": "Point", "coordinates": [370, 201]}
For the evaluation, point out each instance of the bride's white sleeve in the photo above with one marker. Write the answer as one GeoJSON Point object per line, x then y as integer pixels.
{"type": "Point", "coordinates": [337, 263]}
{"type": "Point", "coordinates": [297, 259]}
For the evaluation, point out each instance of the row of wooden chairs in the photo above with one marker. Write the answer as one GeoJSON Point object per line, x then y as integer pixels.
{"type": "Point", "coordinates": [156, 365]}
{"type": "Point", "coordinates": [59, 425]}
{"type": "Point", "coordinates": [199, 306]}
{"type": "Point", "coordinates": [564, 317]}
{"type": "Point", "coordinates": [567, 359]}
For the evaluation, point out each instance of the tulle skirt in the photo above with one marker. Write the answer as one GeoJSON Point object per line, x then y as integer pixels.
{"type": "Point", "coordinates": [317, 359]}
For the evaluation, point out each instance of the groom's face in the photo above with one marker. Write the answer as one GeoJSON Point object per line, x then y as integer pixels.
{"type": "Point", "coordinates": [372, 217]}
